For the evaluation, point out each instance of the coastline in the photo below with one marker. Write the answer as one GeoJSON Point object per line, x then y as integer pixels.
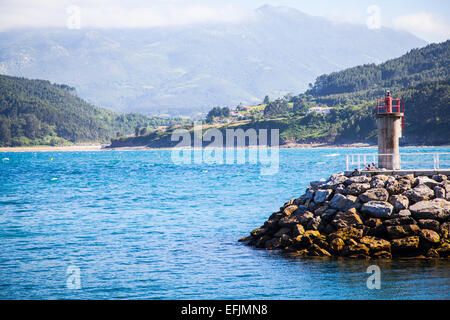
{"type": "Point", "coordinates": [52, 148]}
{"type": "Point", "coordinates": [135, 148]}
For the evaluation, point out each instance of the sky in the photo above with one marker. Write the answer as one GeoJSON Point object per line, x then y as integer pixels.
{"type": "Point", "coordinates": [429, 20]}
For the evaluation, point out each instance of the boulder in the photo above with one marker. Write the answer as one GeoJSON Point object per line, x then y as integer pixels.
{"type": "Point", "coordinates": [432, 253]}
{"type": "Point", "coordinates": [378, 181]}
{"type": "Point", "coordinates": [446, 186]}
{"type": "Point", "coordinates": [271, 224]}
{"type": "Point", "coordinates": [273, 243]}
{"type": "Point", "coordinates": [444, 230]}
{"type": "Point", "coordinates": [301, 209]}
{"type": "Point", "coordinates": [392, 186]}
{"type": "Point", "coordinates": [356, 189]}
{"type": "Point", "coordinates": [298, 230]}
{"type": "Point", "coordinates": [261, 242]}
{"type": "Point", "coordinates": [399, 221]}
{"type": "Point", "coordinates": [340, 188]}
{"type": "Point", "coordinates": [439, 192]}
{"type": "Point", "coordinates": [347, 219]}
{"type": "Point", "coordinates": [316, 251]}
{"type": "Point", "coordinates": [258, 232]}
{"type": "Point", "coordinates": [289, 222]}
{"type": "Point", "coordinates": [335, 180]}
{"type": "Point", "coordinates": [337, 244]}
{"type": "Point", "coordinates": [342, 203]}
{"type": "Point", "coordinates": [276, 216]}
{"type": "Point", "coordinates": [434, 209]}
{"type": "Point", "coordinates": [429, 224]}
{"type": "Point", "coordinates": [376, 244]}
{"type": "Point", "coordinates": [408, 244]}
{"type": "Point", "coordinates": [326, 228]}
{"type": "Point", "coordinates": [430, 236]}
{"type": "Point", "coordinates": [444, 249]}
{"type": "Point", "coordinates": [356, 249]}
{"type": "Point", "coordinates": [317, 184]}
{"type": "Point", "coordinates": [377, 209]}
{"type": "Point", "coordinates": [313, 224]}
{"type": "Point", "coordinates": [329, 214]}
{"type": "Point", "coordinates": [321, 210]}
{"type": "Point", "coordinates": [309, 194]}
{"type": "Point", "coordinates": [286, 240]}
{"type": "Point", "coordinates": [404, 213]}
{"type": "Point", "coordinates": [403, 185]}
{"type": "Point", "coordinates": [346, 233]}
{"type": "Point", "coordinates": [302, 242]}
{"type": "Point", "coordinates": [304, 218]}
{"type": "Point", "coordinates": [292, 201]}
{"type": "Point", "coordinates": [282, 231]}
{"type": "Point", "coordinates": [301, 200]}
{"type": "Point", "coordinates": [439, 177]}
{"type": "Point", "coordinates": [420, 193]}
{"type": "Point", "coordinates": [395, 232]}
{"type": "Point", "coordinates": [313, 234]}
{"type": "Point", "coordinates": [430, 183]}
{"type": "Point", "coordinates": [290, 209]}
{"type": "Point", "coordinates": [400, 202]}
{"type": "Point", "coordinates": [375, 194]}
{"type": "Point", "coordinates": [312, 206]}
{"type": "Point", "coordinates": [322, 195]}
{"type": "Point", "coordinates": [382, 255]}
{"type": "Point", "coordinates": [373, 222]}
{"type": "Point", "coordinates": [358, 179]}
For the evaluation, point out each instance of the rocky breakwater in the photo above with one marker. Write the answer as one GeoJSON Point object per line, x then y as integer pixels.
{"type": "Point", "coordinates": [363, 216]}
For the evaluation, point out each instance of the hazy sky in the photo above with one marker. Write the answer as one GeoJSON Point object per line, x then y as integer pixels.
{"type": "Point", "coordinates": [430, 20]}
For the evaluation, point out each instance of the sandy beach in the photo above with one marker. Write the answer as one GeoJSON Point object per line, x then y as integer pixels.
{"type": "Point", "coordinates": [52, 148]}
{"type": "Point", "coordinates": [102, 147]}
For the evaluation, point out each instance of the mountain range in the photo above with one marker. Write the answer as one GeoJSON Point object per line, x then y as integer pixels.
{"type": "Point", "coordinates": [187, 70]}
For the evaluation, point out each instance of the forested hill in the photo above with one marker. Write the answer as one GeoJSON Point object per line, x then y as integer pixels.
{"type": "Point", "coordinates": [430, 63]}
{"type": "Point", "coordinates": [37, 112]}
{"type": "Point", "coordinates": [420, 78]}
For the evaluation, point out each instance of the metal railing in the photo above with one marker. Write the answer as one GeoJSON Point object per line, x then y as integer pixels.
{"type": "Point", "coordinates": [416, 160]}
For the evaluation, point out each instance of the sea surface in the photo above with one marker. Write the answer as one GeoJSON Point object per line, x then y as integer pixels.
{"type": "Point", "coordinates": [137, 225]}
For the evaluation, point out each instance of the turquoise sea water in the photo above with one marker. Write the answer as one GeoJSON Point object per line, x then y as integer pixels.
{"type": "Point", "coordinates": [139, 226]}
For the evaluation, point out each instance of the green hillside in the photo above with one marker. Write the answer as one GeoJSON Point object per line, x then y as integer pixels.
{"type": "Point", "coordinates": [368, 82]}
{"type": "Point", "coordinates": [37, 112]}
{"type": "Point", "coordinates": [420, 78]}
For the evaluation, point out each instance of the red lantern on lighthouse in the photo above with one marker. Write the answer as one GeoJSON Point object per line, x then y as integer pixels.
{"type": "Point", "coordinates": [389, 105]}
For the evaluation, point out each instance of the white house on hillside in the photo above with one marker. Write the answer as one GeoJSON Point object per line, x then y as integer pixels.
{"type": "Point", "coordinates": [320, 109]}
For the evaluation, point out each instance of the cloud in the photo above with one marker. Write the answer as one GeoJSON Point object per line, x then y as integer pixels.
{"type": "Point", "coordinates": [424, 25]}
{"type": "Point", "coordinates": [113, 13]}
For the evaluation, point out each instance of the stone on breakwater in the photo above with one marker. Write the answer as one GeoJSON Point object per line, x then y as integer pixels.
{"type": "Point", "coordinates": [429, 224]}
{"type": "Point", "coordinates": [357, 216]}
{"type": "Point", "coordinates": [400, 202]}
{"type": "Point", "coordinates": [430, 235]}
{"type": "Point", "coordinates": [376, 244]}
{"type": "Point", "coordinates": [375, 194]}
{"type": "Point", "coordinates": [419, 193]}
{"type": "Point", "coordinates": [407, 244]}
{"type": "Point", "coordinates": [378, 209]}
{"type": "Point", "coordinates": [342, 202]}
{"type": "Point", "coordinates": [347, 219]}
{"type": "Point", "coordinates": [434, 209]}
{"type": "Point", "coordinates": [322, 195]}
{"type": "Point", "coordinates": [402, 231]}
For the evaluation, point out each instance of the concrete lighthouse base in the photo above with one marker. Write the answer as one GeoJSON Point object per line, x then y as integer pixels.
{"type": "Point", "coordinates": [389, 132]}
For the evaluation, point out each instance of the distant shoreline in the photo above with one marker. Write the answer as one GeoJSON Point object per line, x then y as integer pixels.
{"type": "Point", "coordinates": [103, 148]}
{"type": "Point", "coordinates": [52, 148]}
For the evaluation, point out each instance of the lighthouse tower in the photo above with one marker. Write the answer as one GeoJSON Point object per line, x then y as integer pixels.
{"type": "Point", "coordinates": [390, 122]}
